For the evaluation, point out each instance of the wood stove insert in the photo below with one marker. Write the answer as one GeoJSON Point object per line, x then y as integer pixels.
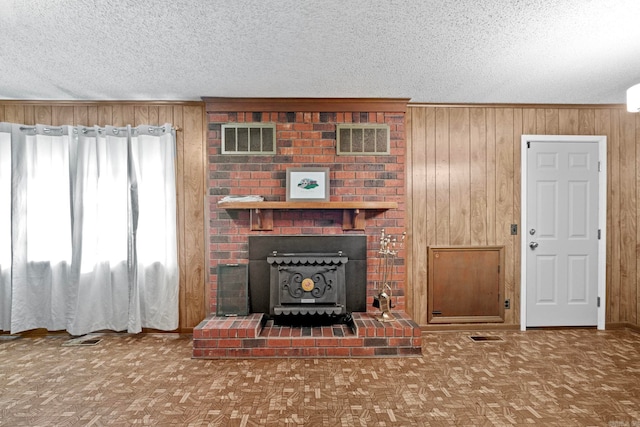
{"type": "Point", "coordinates": [307, 283]}
{"type": "Point", "coordinates": [354, 249]}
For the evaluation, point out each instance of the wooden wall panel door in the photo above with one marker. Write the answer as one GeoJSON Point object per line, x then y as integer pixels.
{"type": "Point", "coordinates": [190, 172]}
{"type": "Point", "coordinates": [466, 284]}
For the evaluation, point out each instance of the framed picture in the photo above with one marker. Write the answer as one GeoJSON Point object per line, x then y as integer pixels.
{"type": "Point", "coordinates": [307, 184]}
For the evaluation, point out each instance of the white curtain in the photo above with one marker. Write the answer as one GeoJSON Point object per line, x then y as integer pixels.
{"type": "Point", "coordinates": [153, 192]}
{"type": "Point", "coordinates": [100, 281]}
{"type": "Point", "coordinates": [41, 227]}
{"type": "Point", "coordinates": [93, 229]}
{"type": "Point", "coordinates": [5, 226]}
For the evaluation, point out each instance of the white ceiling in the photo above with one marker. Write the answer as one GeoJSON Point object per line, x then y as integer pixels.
{"type": "Point", "coordinates": [432, 51]}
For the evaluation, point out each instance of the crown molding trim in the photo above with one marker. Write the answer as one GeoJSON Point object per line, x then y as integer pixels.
{"type": "Point", "coordinates": [385, 105]}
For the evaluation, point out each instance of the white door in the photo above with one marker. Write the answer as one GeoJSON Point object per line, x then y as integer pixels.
{"type": "Point", "coordinates": [561, 233]}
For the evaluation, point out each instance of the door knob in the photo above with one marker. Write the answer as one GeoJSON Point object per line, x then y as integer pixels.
{"type": "Point", "coordinates": [533, 245]}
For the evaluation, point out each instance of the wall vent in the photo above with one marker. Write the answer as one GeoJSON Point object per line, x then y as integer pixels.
{"type": "Point", "coordinates": [354, 139]}
{"type": "Point", "coordinates": [249, 138]}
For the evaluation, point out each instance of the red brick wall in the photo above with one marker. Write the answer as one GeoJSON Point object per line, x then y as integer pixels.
{"type": "Point", "coordinates": [305, 139]}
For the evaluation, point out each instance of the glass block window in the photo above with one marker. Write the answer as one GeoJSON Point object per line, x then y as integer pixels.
{"type": "Point", "coordinates": [353, 139]}
{"type": "Point", "coordinates": [249, 138]}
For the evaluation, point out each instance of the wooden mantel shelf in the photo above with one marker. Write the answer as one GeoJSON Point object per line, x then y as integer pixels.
{"type": "Point", "coordinates": [353, 213]}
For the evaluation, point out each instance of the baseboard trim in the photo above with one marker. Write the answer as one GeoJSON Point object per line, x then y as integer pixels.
{"type": "Point", "coordinates": [622, 325]}
{"type": "Point", "coordinates": [468, 327]}
{"type": "Point", "coordinates": [502, 327]}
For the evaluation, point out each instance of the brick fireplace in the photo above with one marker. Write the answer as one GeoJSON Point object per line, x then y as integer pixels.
{"type": "Point", "coordinates": [305, 137]}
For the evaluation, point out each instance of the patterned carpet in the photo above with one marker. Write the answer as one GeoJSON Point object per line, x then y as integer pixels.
{"type": "Point", "coordinates": [580, 377]}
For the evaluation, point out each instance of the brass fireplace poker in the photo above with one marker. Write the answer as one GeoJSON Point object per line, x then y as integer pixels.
{"type": "Point", "coordinates": [389, 247]}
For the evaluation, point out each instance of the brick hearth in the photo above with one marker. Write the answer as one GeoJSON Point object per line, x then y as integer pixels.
{"type": "Point", "coordinates": [253, 336]}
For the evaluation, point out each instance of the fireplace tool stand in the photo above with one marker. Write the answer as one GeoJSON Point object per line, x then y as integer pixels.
{"type": "Point", "coordinates": [388, 252]}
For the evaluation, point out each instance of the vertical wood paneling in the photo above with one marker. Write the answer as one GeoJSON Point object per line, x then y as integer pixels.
{"type": "Point", "coordinates": [541, 122]}
{"type": "Point", "coordinates": [529, 121]}
{"type": "Point", "coordinates": [628, 213]}
{"type": "Point", "coordinates": [11, 115]}
{"type": "Point", "coordinates": [417, 265]}
{"type": "Point", "coordinates": [43, 114]}
{"type": "Point", "coordinates": [568, 121]}
{"type": "Point", "coordinates": [491, 176]}
{"type": "Point", "coordinates": [81, 115]}
{"type": "Point", "coordinates": [105, 115]}
{"type": "Point", "coordinates": [194, 191]}
{"type": "Point", "coordinates": [178, 121]}
{"type": "Point", "coordinates": [494, 180]}
{"type": "Point", "coordinates": [190, 173]}
{"type": "Point", "coordinates": [123, 114]}
{"type": "Point", "coordinates": [551, 121]}
{"type": "Point", "coordinates": [165, 114]}
{"type": "Point", "coordinates": [478, 175]}
{"type": "Point", "coordinates": [409, 183]}
{"type": "Point", "coordinates": [438, 139]}
{"type": "Point", "coordinates": [504, 196]}
{"type": "Point", "coordinates": [614, 206]}
{"type": "Point", "coordinates": [636, 315]}
{"type": "Point", "coordinates": [459, 178]}
{"type": "Point", "coordinates": [430, 137]}
{"type": "Point", "coordinates": [141, 114]}
{"type": "Point", "coordinates": [29, 115]}
{"type": "Point", "coordinates": [117, 116]}
{"type": "Point", "coordinates": [442, 176]}
{"type": "Point", "coordinates": [92, 115]}
{"type": "Point", "coordinates": [62, 115]}
{"type": "Point", "coordinates": [153, 116]}
{"type": "Point", "coordinates": [14, 114]}
{"type": "Point", "coordinates": [586, 122]}
{"type": "Point", "coordinates": [603, 127]}
{"type": "Point", "coordinates": [128, 114]}
{"type": "Point", "coordinates": [513, 315]}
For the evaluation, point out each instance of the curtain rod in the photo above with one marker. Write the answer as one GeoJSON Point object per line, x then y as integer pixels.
{"type": "Point", "coordinates": [86, 129]}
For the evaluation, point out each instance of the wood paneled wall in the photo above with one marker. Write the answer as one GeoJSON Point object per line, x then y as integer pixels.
{"type": "Point", "coordinates": [188, 118]}
{"type": "Point", "coordinates": [463, 188]}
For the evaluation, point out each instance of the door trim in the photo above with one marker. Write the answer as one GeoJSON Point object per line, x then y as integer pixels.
{"type": "Point", "coordinates": [602, 219]}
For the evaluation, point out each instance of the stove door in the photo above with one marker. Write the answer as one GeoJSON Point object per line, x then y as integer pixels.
{"type": "Point", "coordinates": [308, 284]}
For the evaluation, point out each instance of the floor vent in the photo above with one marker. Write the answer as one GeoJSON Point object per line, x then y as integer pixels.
{"type": "Point", "coordinates": [485, 338]}
{"type": "Point", "coordinates": [81, 341]}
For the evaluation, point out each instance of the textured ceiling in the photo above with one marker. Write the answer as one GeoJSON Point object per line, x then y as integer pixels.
{"type": "Point", "coordinates": [448, 51]}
